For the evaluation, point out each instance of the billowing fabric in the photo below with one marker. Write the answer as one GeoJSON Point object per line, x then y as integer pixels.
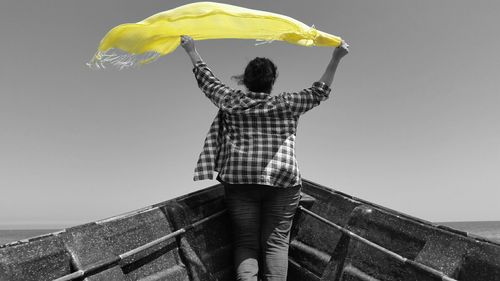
{"type": "Point", "coordinates": [138, 43]}
{"type": "Point", "coordinates": [252, 139]}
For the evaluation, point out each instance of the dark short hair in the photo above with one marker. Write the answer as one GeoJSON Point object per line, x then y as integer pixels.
{"type": "Point", "coordinates": [259, 75]}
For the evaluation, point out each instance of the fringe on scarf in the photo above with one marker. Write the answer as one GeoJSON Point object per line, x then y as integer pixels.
{"type": "Point", "coordinates": [259, 42]}
{"type": "Point", "coordinates": [121, 59]}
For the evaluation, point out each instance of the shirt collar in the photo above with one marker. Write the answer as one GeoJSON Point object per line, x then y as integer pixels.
{"type": "Point", "coordinates": [255, 95]}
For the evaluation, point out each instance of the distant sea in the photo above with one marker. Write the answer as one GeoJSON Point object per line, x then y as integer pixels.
{"type": "Point", "coordinates": [11, 235]}
{"type": "Point", "coordinates": [486, 229]}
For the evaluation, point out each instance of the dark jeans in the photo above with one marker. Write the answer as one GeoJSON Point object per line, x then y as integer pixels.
{"type": "Point", "coordinates": [261, 219]}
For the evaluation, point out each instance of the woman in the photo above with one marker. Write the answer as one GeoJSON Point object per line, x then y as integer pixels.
{"type": "Point", "coordinates": [251, 144]}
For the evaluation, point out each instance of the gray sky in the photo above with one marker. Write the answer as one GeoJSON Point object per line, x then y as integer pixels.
{"type": "Point", "coordinates": [413, 122]}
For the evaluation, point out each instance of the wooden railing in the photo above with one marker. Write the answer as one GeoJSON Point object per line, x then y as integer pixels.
{"type": "Point", "coordinates": [400, 258]}
{"type": "Point", "coordinates": [105, 264]}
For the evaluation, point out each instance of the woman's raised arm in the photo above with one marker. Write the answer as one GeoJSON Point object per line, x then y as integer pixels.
{"type": "Point", "coordinates": [188, 44]}
{"type": "Point", "coordinates": [338, 54]}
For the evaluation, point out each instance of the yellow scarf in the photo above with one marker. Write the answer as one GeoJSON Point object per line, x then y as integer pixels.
{"type": "Point", "coordinates": [139, 43]}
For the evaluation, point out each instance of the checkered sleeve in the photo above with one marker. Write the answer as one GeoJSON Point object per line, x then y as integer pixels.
{"type": "Point", "coordinates": [301, 102]}
{"type": "Point", "coordinates": [210, 85]}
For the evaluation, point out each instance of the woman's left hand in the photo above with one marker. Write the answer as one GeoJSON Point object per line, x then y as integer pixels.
{"type": "Point", "coordinates": [187, 43]}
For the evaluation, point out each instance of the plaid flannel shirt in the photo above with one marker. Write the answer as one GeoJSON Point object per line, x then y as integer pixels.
{"type": "Point", "coordinates": [252, 138]}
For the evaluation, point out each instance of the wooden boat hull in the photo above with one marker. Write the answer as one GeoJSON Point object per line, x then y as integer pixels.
{"type": "Point", "coordinates": [160, 242]}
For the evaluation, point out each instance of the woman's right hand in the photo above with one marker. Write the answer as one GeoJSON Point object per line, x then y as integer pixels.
{"type": "Point", "coordinates": [341, 50]}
